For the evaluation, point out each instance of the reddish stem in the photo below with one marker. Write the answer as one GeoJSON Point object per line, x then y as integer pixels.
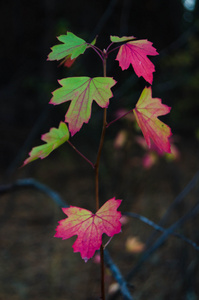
{"type": "Point", "coordinates": [102, 272]}
{"type": "Point", "coordinates": [97, 50]}
{"type": "Point", "coordinates": [97, 182]}
{"type": "Point", "coordinates": [113, 48]}
{"type": "Point", "coordinates": [84, 157]}
{"type": "Point", "coordinates": [98, 161]}
{"type": "Point", "coordinates": [115, 120]}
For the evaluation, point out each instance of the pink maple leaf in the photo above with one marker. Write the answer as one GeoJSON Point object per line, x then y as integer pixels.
{"type": "Point", "coordinates": [89, 227]}
{"type": "Point", "coordinates": [146, 112]}
{"type": "Point", "coordinates": [135, 53]}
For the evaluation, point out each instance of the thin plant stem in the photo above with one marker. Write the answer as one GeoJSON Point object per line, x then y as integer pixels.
{"type": "Point", "coordinates": [100, 147]}
{"type": "Point", "coordinates": [98, 160]}
{"type": "Point", "coordinates": [82, 155]}
{"type": "Point", "coordinates": [97, 50]}
{"type": "Point", "coordinates": [97, 182]}
{"type": "Point", "coordinates": [120, 117]}
{"type": "Point", "coordinates": [113, 48]}
{"type": "Point", "coordinates": [109, 46]}
{"type": "Point", "coordinates": [102, 272]}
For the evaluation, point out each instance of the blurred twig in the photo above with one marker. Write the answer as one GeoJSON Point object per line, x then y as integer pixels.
{"type": "Point", "coordinates": [117, 275]}
{"type": "Point", "coordinates": [125, 16]}
{"type": "Point", "coordinates": [182, 39]}
{"type": "Point", "coordinates": [160, 228]}
{"type": "Point", "coordinates": [32, 183]}
{"type": "Point", "coordinates": [104, 18]}
{"type": "Point", "coordinates": [192, 212]}
{"type": "Point", "coordinates": [176, 202]}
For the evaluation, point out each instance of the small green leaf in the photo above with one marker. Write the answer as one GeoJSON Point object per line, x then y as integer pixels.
{"type": "Point", "coordinates": [117, 39]}
{"type": "Point", "coordinates": [54, 138]}
{"type": "Point", "coordinates": [93, 42]}
{"type": "Point", "coordinates": [72, 46]}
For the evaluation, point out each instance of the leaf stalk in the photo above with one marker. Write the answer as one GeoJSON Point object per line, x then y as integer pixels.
{"type": "Point", "coordinates": [120, 117]}
{"type": "Point", "coordinates": [82, 155]}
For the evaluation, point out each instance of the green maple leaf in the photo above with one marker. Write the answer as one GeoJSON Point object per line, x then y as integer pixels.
{"type": "Point", "coordinates": [71, 48]}
{"type": "Point", "coordinates": [54, 138]}
{"type": "Point", "coordinates": [82, 91]}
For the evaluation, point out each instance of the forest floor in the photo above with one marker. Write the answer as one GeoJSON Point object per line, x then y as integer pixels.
{"type": "Point", "coordinates": [35, 265]}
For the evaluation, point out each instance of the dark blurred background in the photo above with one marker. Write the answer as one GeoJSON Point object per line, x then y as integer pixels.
{"type": "Point", "coordinates": [28, 30]}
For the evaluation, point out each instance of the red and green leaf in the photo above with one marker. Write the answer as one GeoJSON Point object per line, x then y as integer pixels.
{"type": "Point", "coordinates": [71, 47]}
{"type": "Point", "coordinates": [89, 227]}
{"type": "Point", "coordinates": [54, 138]}
{"type": "Point", "coordinates": [82, 91]}
{"type": "Point", "coordinates": [135, 53]}
{"type": "Point", "coordinates": [146, 112]}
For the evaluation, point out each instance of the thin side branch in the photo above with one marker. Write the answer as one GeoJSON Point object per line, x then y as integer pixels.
{"type": "Point", "coordinates": [97, 50]}
{"type": "Point", "coordinates": [120, 117]}
{"type": "Point", "coordinates": [82, 155]}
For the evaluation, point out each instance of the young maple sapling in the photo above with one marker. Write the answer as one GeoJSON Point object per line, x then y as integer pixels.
{"type": "Point", "coordinates": [82, 91]}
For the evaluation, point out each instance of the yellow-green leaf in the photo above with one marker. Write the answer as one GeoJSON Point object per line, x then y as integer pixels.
{"type": "Point", "coordinates": [54, 138]}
